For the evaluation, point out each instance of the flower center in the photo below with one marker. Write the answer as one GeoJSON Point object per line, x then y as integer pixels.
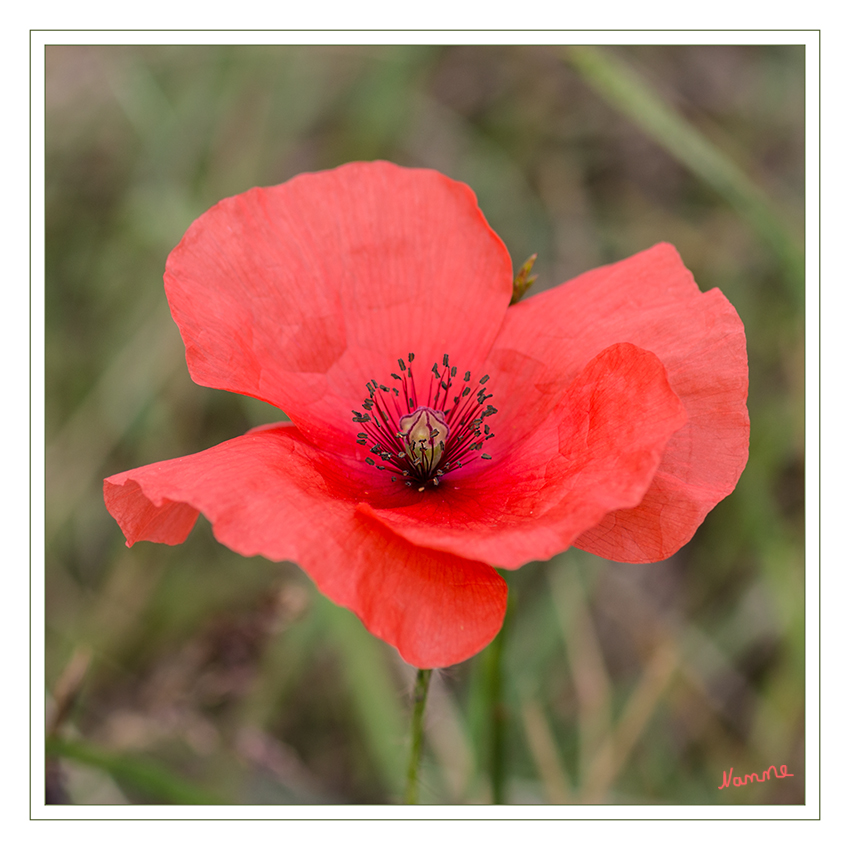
{"type": "Point", "coordinates": [423, 434]}
{"type": "Point", "coordinates": [424, 442]}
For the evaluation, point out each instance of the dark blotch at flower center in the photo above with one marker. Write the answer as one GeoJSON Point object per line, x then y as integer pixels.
{"type": "Point", "coordinates": [423, 442]}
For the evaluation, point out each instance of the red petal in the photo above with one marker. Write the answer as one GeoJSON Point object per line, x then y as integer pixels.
{"type": "Point", "coordinates": [270, 493]}
{"type": "Point", "coordinates": [650, 300]}
{"type": "Point", "coordinates": [301, 293]}
{"type": "Point", "coordinates": [596, 451]}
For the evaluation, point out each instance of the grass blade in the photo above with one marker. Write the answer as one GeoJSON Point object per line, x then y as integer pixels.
{"type": "Point", "coordinates": [153, 781]}
{"type": "Point", "coordinates": [625, 91]}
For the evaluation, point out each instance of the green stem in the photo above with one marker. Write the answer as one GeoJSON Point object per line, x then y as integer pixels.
{"type": "Point", "coordinates": [497, 717]}
{"type": "Point", "coordinates": [420, 693]}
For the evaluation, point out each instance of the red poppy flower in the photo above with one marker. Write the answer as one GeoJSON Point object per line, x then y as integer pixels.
{"type": "Point", "coordinates": [435, 431]}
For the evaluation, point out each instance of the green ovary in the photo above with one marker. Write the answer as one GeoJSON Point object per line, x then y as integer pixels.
{"type": "Point", "coordinates": [424, 434]}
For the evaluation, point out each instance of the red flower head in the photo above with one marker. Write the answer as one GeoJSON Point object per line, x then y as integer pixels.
{"type": "Point", "coordinates": [436, 431]}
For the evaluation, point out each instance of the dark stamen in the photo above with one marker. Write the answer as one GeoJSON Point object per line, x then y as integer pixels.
{"type": "Point", "coordinates": [424, 441]}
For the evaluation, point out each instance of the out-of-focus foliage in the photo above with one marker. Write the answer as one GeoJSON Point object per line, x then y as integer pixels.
{"type": "Point", "coordinates": [191, 674]}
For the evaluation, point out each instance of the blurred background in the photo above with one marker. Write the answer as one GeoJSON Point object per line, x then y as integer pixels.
{"type": "Point", "coordinates": [191, 675]}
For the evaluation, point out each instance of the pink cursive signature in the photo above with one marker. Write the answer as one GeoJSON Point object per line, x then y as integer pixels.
{"type": "Point", "coordinates": [782, 773]}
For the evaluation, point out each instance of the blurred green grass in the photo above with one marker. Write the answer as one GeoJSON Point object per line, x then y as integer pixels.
{"type": "Point", "coordinates": [232, 676]}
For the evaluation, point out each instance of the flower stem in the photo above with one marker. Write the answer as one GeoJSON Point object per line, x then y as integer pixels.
{"type": "Point", "coordinates": [420, 693]}
{"type": "Point", "coordinates": [497, 710]}
{"type": "Point", "coordinates": [497, 718]}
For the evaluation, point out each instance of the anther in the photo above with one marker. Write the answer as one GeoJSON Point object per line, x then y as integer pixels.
{"type": "Point", "coordinates": [424, 442]}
